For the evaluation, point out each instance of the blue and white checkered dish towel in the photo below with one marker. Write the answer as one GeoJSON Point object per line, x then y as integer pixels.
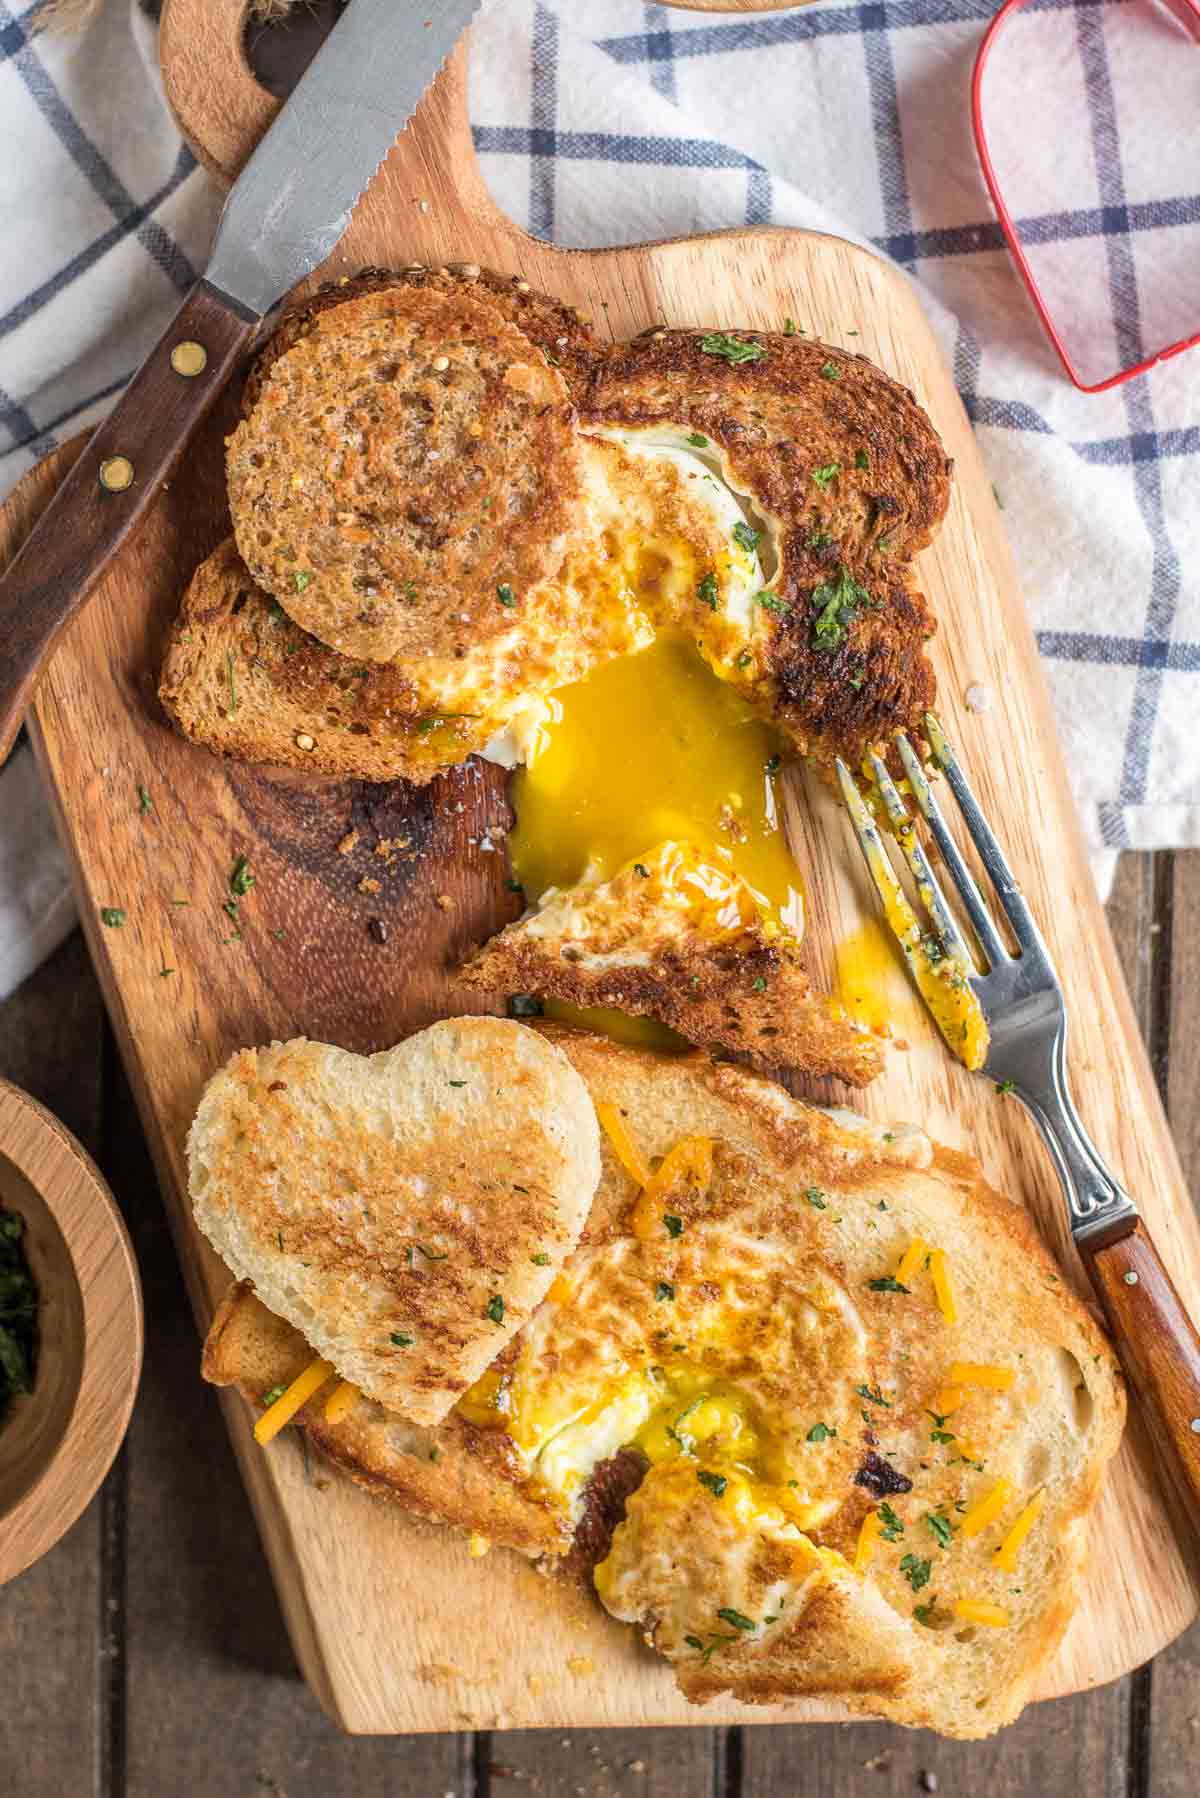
{"type": "Point", "coordinates": [614, 121]}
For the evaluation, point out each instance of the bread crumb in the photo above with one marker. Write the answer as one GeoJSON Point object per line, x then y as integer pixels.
{"type": "Point", "coordinates": [444, 902]}
{"type": "Point", "coordinates": [367, 885]}
{"type": "Point", "coordinates": [349, 843]}
{"type": "Point", "coordinates": [581, 1664]}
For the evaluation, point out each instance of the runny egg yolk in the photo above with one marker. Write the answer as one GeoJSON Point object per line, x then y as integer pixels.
{"type": "Point", "coordinates": [652, 747]}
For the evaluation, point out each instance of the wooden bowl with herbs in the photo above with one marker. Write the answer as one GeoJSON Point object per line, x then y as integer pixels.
{"type": "Point", "coordinates": [70, 1330]}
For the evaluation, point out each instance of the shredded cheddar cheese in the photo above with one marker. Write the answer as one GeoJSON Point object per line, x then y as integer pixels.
{"type": "Point", "coordinates": [911, 1259]}
{"type": "Point", "coordinates": [988, 1509]}
{"type": "Point", "coordinates": [624, 1147]}
{"type": "Point", "coordinates": [981, 1373]}
{"type": "Point", "coordinates": [690, 1159]}
{"type": "Point", "coordinates": [1005, 1557]}
{"type": "Point", "coordinates": [273, 1419]}
{"type": "Point", "coordinates": [981, 1610]}
{"type": "Point", "coordinates": [342, 1399]}
{"type": "Point", "coordinates": [868, 1536]}
{"type": "Point", "coordinates": [947, 1400]}
{"type": "Point", "coordinates": [942, 1289]}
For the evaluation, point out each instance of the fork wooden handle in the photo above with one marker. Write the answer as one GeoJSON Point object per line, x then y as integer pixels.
{"type": "Point", "coordinates": [1157, 1340]}
{"type": "Point", "coordinates": [110, 487]}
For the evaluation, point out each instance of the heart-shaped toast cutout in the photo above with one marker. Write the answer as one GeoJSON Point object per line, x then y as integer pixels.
{"type": "Point", "coordinates": [406, 1211]}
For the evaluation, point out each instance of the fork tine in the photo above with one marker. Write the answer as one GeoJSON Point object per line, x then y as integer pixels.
{"type": "Point", "coordinates": [994, 859]}
{"type": "Point", "coordinates": [960, 874]}
{"type": "Point", "coordinates": [928, 885]}
{"type": "Point", "coordinates": [905, 925]}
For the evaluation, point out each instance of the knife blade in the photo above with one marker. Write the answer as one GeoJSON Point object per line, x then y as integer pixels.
{"type": "Point", "coordinates": [283, 216]}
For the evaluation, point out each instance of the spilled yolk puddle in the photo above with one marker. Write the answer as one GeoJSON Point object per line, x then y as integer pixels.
{"type": "Point", "coordinates": [652, 747]}
{"type": "Point", "coordinates": [871, 981]}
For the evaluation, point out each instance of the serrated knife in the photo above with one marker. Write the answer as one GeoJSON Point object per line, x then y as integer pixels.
{"type": "Point", "coordinates": [284, 215]}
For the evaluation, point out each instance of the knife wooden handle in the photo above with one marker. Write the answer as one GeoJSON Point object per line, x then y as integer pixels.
{"type": "Point", "coordinates": [1157, 1340]}
{"type": "Point", "coordinates": [110, 488]}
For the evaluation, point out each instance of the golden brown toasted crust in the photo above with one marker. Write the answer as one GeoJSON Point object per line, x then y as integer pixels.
{"type": "Point", "coordinates": [560, 331]}
{"type": "Point", "coordinates": [852, 480]}
{"type": "Point", "coordinates": [408, 476]}
{"type": "Point", "coordinates": [450, 1472]}
{"type": "Point", "coordinates": [639, 943]}
{"type": "Point", "coordinates": [240, 677]}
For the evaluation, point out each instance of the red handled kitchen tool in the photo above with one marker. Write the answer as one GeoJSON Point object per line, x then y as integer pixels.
{"type": "Point", "coordinates": [1188, 12]}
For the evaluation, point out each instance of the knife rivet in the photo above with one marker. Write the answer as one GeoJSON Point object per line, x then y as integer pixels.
{"type": "Point", "coordinates": [116, 473]}
{"type": "Point", "coordinates": [189, 358]}
{"type": "Point", "coordinates": [1194, 1426]}
{"type": "Point", "coordinates": [1131, 1278]}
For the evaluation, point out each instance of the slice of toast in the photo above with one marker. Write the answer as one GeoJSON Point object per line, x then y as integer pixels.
{"type": "Point", "coordinates": [408, 1210]}
{"type": "Point", "coordinates": [774, 1286]}
{"type": "Point", "coordinates": [673, 937]}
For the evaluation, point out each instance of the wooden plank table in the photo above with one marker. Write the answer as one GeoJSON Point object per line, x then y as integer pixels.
{"type": "Point", "coordinates": [146, 1656]}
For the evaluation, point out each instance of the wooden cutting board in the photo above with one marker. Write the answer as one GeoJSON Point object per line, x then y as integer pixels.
{"type": "Point", "coordinates": [396, 1628]}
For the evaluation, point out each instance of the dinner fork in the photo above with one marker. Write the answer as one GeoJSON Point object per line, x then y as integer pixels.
{"type": "Point", "coordinates": [1022, 1004]}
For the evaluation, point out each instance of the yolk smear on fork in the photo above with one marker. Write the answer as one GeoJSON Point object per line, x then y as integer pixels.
{"type": "Point", "coordinates": [649, 748]}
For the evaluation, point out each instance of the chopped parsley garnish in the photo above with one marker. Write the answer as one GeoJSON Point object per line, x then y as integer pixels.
{"type": "Point", "coordinates": [145, 803]}
{"type": "Point", "coordinates": [505, 594]}
{"type": "Point", "coordinates": [831, 371]}
{"type": "Point", "coordinates": [890, 1527]}
{"type": "Point", "coordinates": [541, 1259]}
{"type": "Point", "coordinates": [874, 1396]}
{"type": "Point", "coordinates": [456, 1083]}
{"type": "Point", "coordinates": [736, 1620]}
{"type": "Point", "coordinates": [731, 349]}
{"type": "Point", "coordinates": [112, 917]}
{"type": "Point", "coordinates": [672, 1225]}
{"type": "Point", "coordinates": [916, 1572]}
{"type": "Point", "coordinates": [745, 659]}
{"type": "Point", "coordinates": [818, 540]}
{"type": "Point", "coordinates": [835, 604]}
{"type": "Point", "coordinates": [924, 1613]}
{"type": "Point", "coordinates": [706, 590]}
{"type": "Point", "coordinates": [744, 537]}
{"type": "Point", "coordinates": [433, 1254]}
{"type": "Point", "coordinates": [240, 877]}
{"type": "Point", "coordinates": [861, 459]}
{"type": "Point", "coordinates": [770, 602]}
{"type": "Point", "coordinates": [402, 1341]}
{"type": "Point", "coordinates": [820, 1432]}
{"type": "Point", "coordinates": [233, 698]}
{"type": "Point", "coordinates": [664, 1290]}
{"type": "Point", "coordinates": [425, 725]}
{"type": "Point", "coordinates": [1006, 1086]}
{"type": "Point", "coordinates": [300, 579]}
{"type": "Point", "coordinates": [816, 1197]}
{"type": "Point", "coordinates": [642, 869]}
{"type": "Point", "coordinates": [494, 1310]}
{"type": "Point", "coordinates": [758, 984]}
{"type": "Point", "coordinates": [791, 328]}
{"type": "Point", "coordinates": [941, 1436]}
{"type": "Point", "coordinates": [825, 477]}
{"type": "Point", "coordinates": [272, 1397]}
{"type": "Point", "coordinates": [716, 1484]}
{"type": "Point", "coordinates": [699, 442]}
{"type": "Point", "coordinates": [943, 1529]}
{"type": "Point", "coordinates": [888, 1283]}
{"type": "Point", "coordinates": [514, 886]}
{"type": "Point", "coordinates": [715, 1641]}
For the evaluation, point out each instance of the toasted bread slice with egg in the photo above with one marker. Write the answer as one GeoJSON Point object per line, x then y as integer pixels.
{"type": "Point", "coordinates": [408, 475]}
{"type": "Point", "coordinates": [407, 1210]}
{"type": "Point", "coordinates": [674, 937]}
{"type": "Point", "coordinates": [846, 479]}
{"type": "Point", "coordinates": [869, 1417]}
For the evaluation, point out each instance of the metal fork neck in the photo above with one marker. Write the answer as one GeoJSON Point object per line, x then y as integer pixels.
{"type": "Point", "coordinates": [1097, 1202]}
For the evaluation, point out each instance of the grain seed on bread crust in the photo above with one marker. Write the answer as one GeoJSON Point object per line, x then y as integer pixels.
{"type": "Point", "coordinates": [408, 475]}
{"type": "Point", "coordinates": [566, 340]}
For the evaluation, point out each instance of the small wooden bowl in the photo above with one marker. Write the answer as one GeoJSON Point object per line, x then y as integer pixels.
{"type": "Point", "coordinates": [58, 1442]}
